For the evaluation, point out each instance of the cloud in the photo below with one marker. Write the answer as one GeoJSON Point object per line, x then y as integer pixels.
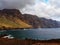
{"type": "Point", "coordinates": [42, 8]}
{"type": "Point", "coordinates": [14, 3]}
{"type": "Point", "coordinates": [51, 9]}
{"type": "Point", "coordinates": [56, 3]}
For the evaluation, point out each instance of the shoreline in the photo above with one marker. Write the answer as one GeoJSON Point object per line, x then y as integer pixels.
{"type": "Point", "coordinates": [6, 41]}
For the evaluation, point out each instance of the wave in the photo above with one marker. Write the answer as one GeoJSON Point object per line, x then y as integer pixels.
{"type": "Point", "coordinates": [9, 36]}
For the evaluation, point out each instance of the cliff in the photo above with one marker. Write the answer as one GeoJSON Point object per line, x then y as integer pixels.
{"type": "Point", "coordinates": [13, 19]}
{"type": "Point", "coordinates": [38, 22]}
{"type": "Point", "coordinates": [9, 19]}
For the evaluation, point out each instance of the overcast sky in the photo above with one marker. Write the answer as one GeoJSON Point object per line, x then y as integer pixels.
{"type": "Point", "coordinates": [45, 8]}
{"type": "Point", "coordinates": [41, 8]}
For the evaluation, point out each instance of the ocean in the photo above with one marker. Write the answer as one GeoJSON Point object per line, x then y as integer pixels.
{"type": "Point", "coordinates": [37, 34]}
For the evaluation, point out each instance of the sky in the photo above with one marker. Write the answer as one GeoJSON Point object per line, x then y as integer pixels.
{"type": "Point", "coordinates": [42, 8]}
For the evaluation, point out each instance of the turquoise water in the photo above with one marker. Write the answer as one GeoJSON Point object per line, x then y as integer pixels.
{"type": "Point", "coordinates": [40, 34]}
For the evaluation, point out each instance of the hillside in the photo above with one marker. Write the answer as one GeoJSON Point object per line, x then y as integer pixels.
{"type": "Point", "coordinates": [9, 19]}
{"type": "Point", "coordinates": [39, 22]}
{"type": "Point", "coordinates": [13, 18]}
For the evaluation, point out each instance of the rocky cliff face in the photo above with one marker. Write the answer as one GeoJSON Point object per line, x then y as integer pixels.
{"type": "Point", "coordinates": [37, 22]}
{"type": "Point", "coordinates": [9, 18]}
{"type": "Point", "coordinates": [13, 18]}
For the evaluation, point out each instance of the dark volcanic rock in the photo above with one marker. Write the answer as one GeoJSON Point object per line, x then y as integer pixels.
{"type": "Point", "coordinates": [13, 12]}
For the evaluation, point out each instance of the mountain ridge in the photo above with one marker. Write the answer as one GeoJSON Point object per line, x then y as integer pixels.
{"type": "Point", "coordinates": [13, 18]}
{"type": "Point", "coordinates": [40, 22]}
{"type": "Point", "coordinates": [9, 19]}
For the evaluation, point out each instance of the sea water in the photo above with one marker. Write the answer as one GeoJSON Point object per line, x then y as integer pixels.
{"type": "Point", "coordinates": [37, 34]}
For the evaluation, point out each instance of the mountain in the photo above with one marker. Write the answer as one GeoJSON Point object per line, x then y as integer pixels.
{"type": "Point", "coordinates": [9, 19]}
{"type": "Point", "coordinates": [13, 19]}
{"type": "Point", "coordinates": [38, 22]}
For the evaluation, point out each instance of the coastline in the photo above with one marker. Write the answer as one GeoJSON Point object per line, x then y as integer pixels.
{"type": "Point", "coordinates": [6, 41]}
{"type": "Point", "coordinates": [14, 28]}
